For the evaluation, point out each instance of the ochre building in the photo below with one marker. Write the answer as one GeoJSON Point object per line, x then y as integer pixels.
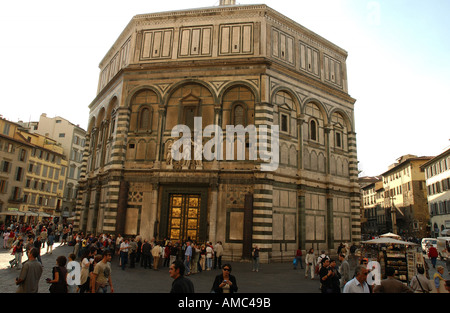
{"type": "Point", "coordinates": [230, 65]}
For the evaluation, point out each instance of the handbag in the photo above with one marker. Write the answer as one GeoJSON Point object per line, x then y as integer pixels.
{"type": "Point", "coordinates": [295, 261]}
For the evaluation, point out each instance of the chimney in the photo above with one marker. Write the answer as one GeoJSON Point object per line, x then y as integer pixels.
{"type": "Point", "coordinates": [227, 2]}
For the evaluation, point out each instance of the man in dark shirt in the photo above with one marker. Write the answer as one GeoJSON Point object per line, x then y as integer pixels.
{"type": "Point", "coordinates": [180, 284]}
{"type": "Point", "coordinates": [146, 253]}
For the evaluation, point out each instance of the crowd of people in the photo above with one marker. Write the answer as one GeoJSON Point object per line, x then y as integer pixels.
{"type": "Point", "coordinates": [87, 269]}
{"type": "Point", "coordinates": [335, 275]}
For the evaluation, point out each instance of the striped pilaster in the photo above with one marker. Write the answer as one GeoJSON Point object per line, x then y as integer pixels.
{"type": "Point", "coordinates": [263, 188]}
{"type": "Point", "coordinates": [355, 199]}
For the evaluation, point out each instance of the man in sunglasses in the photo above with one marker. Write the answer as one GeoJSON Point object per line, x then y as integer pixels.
{"type": "Point", "coordinates": [358, 284]}
{"type": "Point", "coordinates": [225, 282]}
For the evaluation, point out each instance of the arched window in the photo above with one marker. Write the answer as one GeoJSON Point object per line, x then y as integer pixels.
{"type": "Point", "coordinates": [313, 130]}
{"type": "Point", "coordinates": [238, 115]}
{"type": "Point", "coordinates": [144, 119]}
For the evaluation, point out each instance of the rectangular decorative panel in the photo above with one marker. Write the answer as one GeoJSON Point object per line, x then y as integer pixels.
{"type": "Point", "coordinates": [195, 41]}
{"type": "Point", "coordinates": [157, 44]}
{"type": "Point", "coordinates": [309, 59]}
{"type": "Point", "coordinates": [236, 39]}
{"type": "Point", "coordinates": [283, 46]}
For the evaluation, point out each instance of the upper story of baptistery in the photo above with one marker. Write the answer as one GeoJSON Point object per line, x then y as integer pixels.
{"type": "Point", "coordinates": [223, 34]}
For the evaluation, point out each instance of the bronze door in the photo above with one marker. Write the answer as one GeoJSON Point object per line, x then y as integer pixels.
{"type": "Point", "coordinates": [184, 216]}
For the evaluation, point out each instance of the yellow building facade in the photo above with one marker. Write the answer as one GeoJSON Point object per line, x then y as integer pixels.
{"type": "Point", "coordinates": [45, 176]}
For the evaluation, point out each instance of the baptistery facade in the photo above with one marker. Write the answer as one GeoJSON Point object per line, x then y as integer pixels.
{"type": "Point", "coordinates": [229, 65]}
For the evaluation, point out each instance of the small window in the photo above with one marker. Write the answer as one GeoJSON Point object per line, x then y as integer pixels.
{"type": "Point", "coordinates": [338, 140]}
{"type": "Point", "coordinates": [62, 135]}
{"type": "Point", "coordinates": [284, 123]}
{"type": "Point", "coordinates": [313, 130]}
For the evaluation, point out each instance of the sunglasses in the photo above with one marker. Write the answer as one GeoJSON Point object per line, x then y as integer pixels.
{"type": "Point", "coordinates": [227, 269]}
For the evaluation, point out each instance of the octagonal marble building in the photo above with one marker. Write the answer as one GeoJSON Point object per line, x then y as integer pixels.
{"type": "Point", "coordinates": [230, 65]}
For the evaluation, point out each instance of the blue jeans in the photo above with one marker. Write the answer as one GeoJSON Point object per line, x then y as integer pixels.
{"type": "Point", "coordinates": [123, 259]}
{"type": "Point", "coordinates": [256, 263]}
{"type": "Point", "coordinates": [102, 289]}
{"type": "Point", "coordinates": [187, 265]}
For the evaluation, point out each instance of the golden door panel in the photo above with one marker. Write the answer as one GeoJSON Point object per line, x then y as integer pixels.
{"type": "Point", "coordinates": [184, 216]}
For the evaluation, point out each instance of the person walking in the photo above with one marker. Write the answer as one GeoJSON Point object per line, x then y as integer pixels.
{"type": "Point", "coordinates": [180, 283]}
{"type": "Point", "coordinates": [225, 282]}
{"type": "Point", "coordinates": [28, 280]}
{"type": "Point", "coordinates": [5, 238]}
{"type": "Point", "coordinates": [255, 255]}
{"type": "Point", "coordinates": [50, 241]}
{"type": "Point", "coordinates": [101, 275]}
{"type": "Point", "coordinates": [310, 261]}
{"type": "Point", "coordinates": [433, 255]}
{"type": "Point", "coordinates": [59, 275]}
{"type": "Point", "coordinates": [44, 235]}
{"type": "Point", "coordinates": [37, 244]}
{"type": "Point", "coordinates": [18, 253]}
{"type": "Point", "coordinates": [438, 279]}
{"type": "Point", "coordinates": [419, 283]}
{"type": "Point", "coordinates": [298, 257]}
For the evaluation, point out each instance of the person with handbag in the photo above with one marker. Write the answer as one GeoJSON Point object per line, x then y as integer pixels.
{"type": "Point", "coordinates": [59, 280]}
{"type": "Point", "coordinates": [419, 283]}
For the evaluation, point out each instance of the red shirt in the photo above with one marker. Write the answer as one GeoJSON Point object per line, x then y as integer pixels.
{"type": "Point", "coordinates": [432, 252]}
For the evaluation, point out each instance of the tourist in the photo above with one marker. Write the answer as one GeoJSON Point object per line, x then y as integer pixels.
{"type": "Point", "coordinates": [310, 261]}
{"type": "Point", "coordinates": [180, 283]}
{"type": "Point", "coordinates": [255, 256]}
{"type": "Point", "coordinates": [102, 275]}
{"type": "Point", "coordinates": [28, 280]}
{"type": "Point", "coordinates": [225, 282]}
{"type": "Point", "coordinates": [59, 273]}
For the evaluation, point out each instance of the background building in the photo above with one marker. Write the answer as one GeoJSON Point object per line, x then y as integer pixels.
{"type": "Point", "coordinates": [32, 174]}
{"type": "Point", "coordinates": [45, 176]}
{"type": "Point", "coordinates": [373, 219]}
{"type": "Point", "coordinates": [231, 65]}
{"type": "Point", "coordinates": [14, 154]}
{"type": "Point", "coordinates": [437, 171]}
{"type": "Point", "coordinates": [405, 197]}
{"type": "Point", "coordinates": [71, 138]}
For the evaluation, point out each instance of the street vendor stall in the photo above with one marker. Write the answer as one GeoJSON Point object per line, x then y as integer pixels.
{"type": "Point", "coordinates": [403, 256]}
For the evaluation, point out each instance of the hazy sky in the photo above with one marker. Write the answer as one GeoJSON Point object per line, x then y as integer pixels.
{"type": "Point", "coordinates": [398, 64]}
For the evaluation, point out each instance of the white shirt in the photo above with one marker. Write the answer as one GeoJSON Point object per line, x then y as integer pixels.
{"type": "Point", "coordinates": [354, 286]}
{"type": "Point", "coordinates": [124, 245]}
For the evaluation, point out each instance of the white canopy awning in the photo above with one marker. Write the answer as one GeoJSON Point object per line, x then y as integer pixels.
{"type": "Point", "coordinates": [387, 240]}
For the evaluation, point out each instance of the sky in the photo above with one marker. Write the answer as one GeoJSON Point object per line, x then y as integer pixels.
{"type": "Point", "coordinates": [398, 63]}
